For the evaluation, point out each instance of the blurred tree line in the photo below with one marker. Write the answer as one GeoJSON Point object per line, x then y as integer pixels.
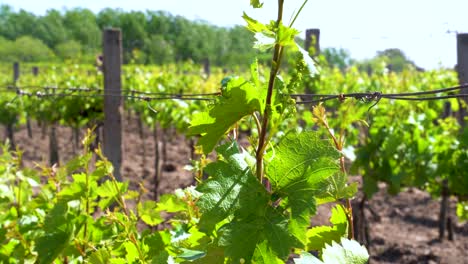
{"type": "Point", "coordinates": [148, 37]}
{"type": "Point", "coordinates": [390, 59]}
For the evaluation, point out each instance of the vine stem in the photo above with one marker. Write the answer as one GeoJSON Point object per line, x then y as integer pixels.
{"type": "Point", "coordinates": [349, 208]}
{"type": "Point", "coordinates": [85, 231]}
{"type": "Point", "coordinates": [276, 62]}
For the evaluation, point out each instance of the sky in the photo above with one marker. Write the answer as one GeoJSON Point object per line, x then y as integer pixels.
{"type": "Point", "coordinates": [424, 29]}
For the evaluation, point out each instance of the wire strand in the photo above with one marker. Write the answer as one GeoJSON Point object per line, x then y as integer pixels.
{"type": "Point", "coordinates": [52, 91]}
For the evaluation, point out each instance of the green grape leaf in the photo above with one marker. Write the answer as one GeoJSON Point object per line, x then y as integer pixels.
{"type": "Point", "coordinates": [149, 214]}
{"type": "Point", "coordinates": [232, 189]}
{"type": "Point", "coordinates": [285, 35]}
{"type": "Point", "coordinates": [370, 185]}
{"type": "Point", "coordinates": [171, 204]}
{"type": "Point", "coordinates": [118, 261]}
{"type": "Point", "coordinates": [321, 235]}
{"type": "Point", "coordinates": [78, 162]}
{"type": "Point", "coordinates": [191, 255]}
{"type": "Point", "coordinates": [264, 36]}
{"type": "Point", "coordinates": [161, 258]}
{"type": "Point", "coordinates": [196, 237]}
{"type": "Point", "coordinates": [297, 169]}
{"type": "Point", "coordinates": [296, 156]}
{"type": "Point", "coordinates": [255, 26]}
{"type": "Point", "coordinates": [61, 216]}
{"type": "Point", "coordinates": [76, 189]}
{"type": "Point", "coordinates": [109, 192]}
{"type": "Point", "coordinates": [347, 252]}
{"type": "Point", "coordinates": [268, 234]}
{"type": "Point", "coordinates": [311, 65]}
{"type": "Point", "coordinates": [103, 168]}
{"type": "Point", "coordinates": [263, 42]}
{"type": "Point", "coordinates": [307, 258]}
{"type": "Point", "coordinates": [462, 211]}
{"type": "Point", "coordinates": [335, 188]}
{"type": "Point", "coordinates": [132, 195]}
{"type": "Point", "coordinates": [101, 256]}
{"type": "Point", "coordinates": [240, 98]}
{"type": "Point", "coordinates": [214, 254]}
{"type": "Point", "coordinates": [264, 255]}
{"type": "Point", "coordinates": [98, 229]}
{"type": "Point", "coordinates": [51, 244]}
{"type": "Point", "coordinates": [132, 252]}
{"type": "Point", "coordinates": [154, 244]}
{"type": "Point", "coordinates": [256, 3]}
{"type": "Point", "coordinates": [254, 74]}
{"type": "Point", "coordinates": [7, 250]}
{"type": "Point", "coordinates": [27, 223]}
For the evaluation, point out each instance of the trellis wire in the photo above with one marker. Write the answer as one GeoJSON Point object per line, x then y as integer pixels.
{"type": "Point", "coordinates": [152, 96]}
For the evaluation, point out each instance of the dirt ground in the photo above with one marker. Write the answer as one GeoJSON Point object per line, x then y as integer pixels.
{"type": "Point", "coordinates": [404, 229]}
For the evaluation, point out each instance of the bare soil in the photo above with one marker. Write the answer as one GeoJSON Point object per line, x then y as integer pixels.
{"type": "Point", "coordinates": [404, 229]}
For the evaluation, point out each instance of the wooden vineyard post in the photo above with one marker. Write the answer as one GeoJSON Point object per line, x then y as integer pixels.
{"type": "Point", "coordinates": [141, 133]}
{"type": "Point", "coordinates": [53, 144]}
{"type": "Point", "coordinates": [444, 216]}
{"type": "Point", "coordinates": [361, 223]}
{"type": "Point", "coordinates": [312, 46]}
{"type": "Point", "coordinates": [462, 69]}
{"type": "Point", "coordinates": [35, 71]}
{"type": "Point", "coordinates": [10, 127]}
{"type": "Point", "coordinates": [312, 39]}
{"type": "Point", "coordinates": [112, 68]}
{"type": "Point", "coordinates": [54, 159]}
{"type": "Point", "coordinates": [16, 72]}
{"type": "Point", "coordinates": [157, 167]}
{"type": "Point", "coordinates": [445, 219]}
{"type": "Point", "coordinates": [207, 67]}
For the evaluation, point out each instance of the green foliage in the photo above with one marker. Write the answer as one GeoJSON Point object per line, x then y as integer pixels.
{"type": "Point", "coordinates": [321, 235]}
{"type": "Point", "coordinates": [338, 58]}
{"type": "Point", "coordinates": [25, 48]}
{"type": "Point", "coordinates": [396, 58]}
{"type": "Point", "coordinates": [462, 211]}
{"type": "Point", "coordinates": [336, 187]}
{"type": "Point", "coordinates": [347, 252]}
{"type": "Point", "coordinates": [56, 221]}
{"type": "Point", "coordinates": [69, 50]}
{"type": "Point", "coordinates": [256, 3]}
{"type": "Point", "coordinates": [248, 221]}
{"type": "Point", "coordinates": [255, 203]}
{"type": "Point", "coordinates": [159, 50]}
{"type": "Point", "coordinates": [393, 60]}
{"type": "Point", "coordinates": [232, 188]}
{"type": "Point", "coordinates": [81, 26]}
{"type": "Point", "coordinates": [158, 37]}
{"type": "Point", "coordinates": [6, 46]}
{"type": "Point", "coordinates": [300, 164]}
{"type": "Point", "coordinates": [234, 192]}
{"type": "Point", "coordinates": [407, 148]}
{"type": "Point", "coordinates": [239, 99]}
{"type": "Point", "coordinates": [266, 232]}
{"type": "Point", "coordinates": [409, 144]}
